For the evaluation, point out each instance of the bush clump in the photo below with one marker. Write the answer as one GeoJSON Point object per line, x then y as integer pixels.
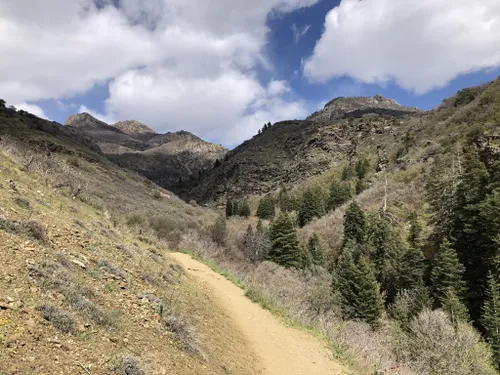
{"type": "Point", "coordinates": [127, 365]}
{"type": "Point", "coordinates": [183, 332]}
{"type": "Point", "coordinates": [59, 318]}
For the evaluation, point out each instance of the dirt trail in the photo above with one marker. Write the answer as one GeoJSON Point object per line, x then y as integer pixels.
{"type": "Point", "coordinates": [282, 350]}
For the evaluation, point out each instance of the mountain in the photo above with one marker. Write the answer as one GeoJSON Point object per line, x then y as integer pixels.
{"type": "Point", "coordinates": [172, 160]}
{"type": "Point", "coordinates": [133, 128]}
{"type": "Point", "coordinates": [291, 152]}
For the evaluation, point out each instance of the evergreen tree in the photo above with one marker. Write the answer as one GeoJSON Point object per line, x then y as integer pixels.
{"type": "Point", "coordinates": [244, 209]}
{"type": "Point", "coordinates": [414, 237]}
{"type": "Point", "coordinates": [360, 186]}
{"type": "Point", "coordinates": [362, 168]}
{"type": "Point", "coordinates": [354, 224]}
{"type": "Point", "coordinates": [311, 206]}
{"type": "Point", "coordinates": [452, 304]}
{"type": "Point", "coordinates": [340, 192]}
{"type": "Point", "coordinates": [229, 208]}
{"type": "Point", "coordinates": [347, 172]}
{"type": "Point", "coordinates": [217, 163]}
{"type": "Point", "coordinates": [358, 289]}
{"type": "Point", "coordinates": [307, 259]}
{"type": "Point", "coordinates": [286, 201]}
{"type": "Point", "coordinates": [316, 251]}
{"type": "Point", "coordinates": [285, 249]}
{"type": "Point", "coordinates": [219, 230]}
{"type": "Point", "coordinates": [491, 316]}
{"type": "Point", "coordinates": [386, 249]}
{"type": "Point", "coordinates": [447, 273]}
{"type": "Point", "coordinates": [266, 209]}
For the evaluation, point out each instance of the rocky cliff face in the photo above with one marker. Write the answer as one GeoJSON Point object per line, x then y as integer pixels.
{"type": "Point", "coordinates": [356, 107]}
{"type": "Point", "coordinates": [172, 160]}
{"type": "Point", "coordinates": [132, 127]}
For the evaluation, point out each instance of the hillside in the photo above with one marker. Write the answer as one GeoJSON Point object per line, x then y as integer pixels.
{"type": "Point", "coordinates": [291, 152]}
{"type": "Point", "coordinates": [172, 160]}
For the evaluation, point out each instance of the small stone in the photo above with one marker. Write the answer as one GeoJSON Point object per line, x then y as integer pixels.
{"type": "Point", "coordinates": [125, 340]}
{"type": "Point", "coordinates": [78, 263]}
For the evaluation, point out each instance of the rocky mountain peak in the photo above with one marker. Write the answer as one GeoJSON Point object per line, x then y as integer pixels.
{"type": "Point", "coordinates": [349, 107]}
{"type": "Point", "coordinates": [133, 127]}
{"type": "Point", "coordinates": [84, 121]}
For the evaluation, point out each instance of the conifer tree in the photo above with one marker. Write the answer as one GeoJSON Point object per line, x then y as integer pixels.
{"type": "Point", "coordinates": [307, 259]}
{"type": "Point", "coordinates": [285, 249]}
{"type": "Point", "coordinates": [362, 168]}
{"type": "Point", "coordinates": [260, 227]}
{"type": "Point", "coordinates": [244, 209]}
{"type": "Point", "coordinates": [347, 172]}
{"type": "Point", "coordinates": [414, 237]}
{"type": "Point", "coordinates": [219, 230]}
{"type": "Point", "coordinates": [491, 316]}
{"type": "Point", "coordinates": [354, 224]}
{"type": "Point", "coordinates": [314, 247]}
{"type": "Point", "coordinates": [360, 186]}
{"type": "Point", "coordinates": [447, 273]}
{"type": "Point", "coordinates": [311, 206]}
{"type": "Point", "coordinates": [358, 289]}
{"type": "Point", "coordinates": [452, 304]}
{"type": "Point", "coordinates": [266, 209]}
{"type": "Point", "coordinates": [340, 192]}
{"type": "Point", "coordinates": [229, 208]}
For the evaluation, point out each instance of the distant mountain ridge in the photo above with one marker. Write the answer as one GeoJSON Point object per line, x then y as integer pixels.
{"type": "Point", "coordinates": [173, 160]}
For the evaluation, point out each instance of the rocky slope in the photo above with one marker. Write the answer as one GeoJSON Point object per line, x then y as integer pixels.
{"type": "Point", "coordinates": [85, 286]}
{"type": "Point", "coordinates": [172, 160]}
{"type": "Point", "coordinates": [388, 134]}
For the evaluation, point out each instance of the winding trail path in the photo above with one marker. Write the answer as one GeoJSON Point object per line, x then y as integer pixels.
{"type": "Point", "coordinates": [282, 350]}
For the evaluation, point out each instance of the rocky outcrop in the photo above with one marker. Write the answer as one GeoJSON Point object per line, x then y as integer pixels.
{"type": "Point", "coordinates": [357, 107]}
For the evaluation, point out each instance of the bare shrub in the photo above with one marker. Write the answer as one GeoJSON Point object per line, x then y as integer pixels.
{"type": "Point", "coordinates": [435, 346]}
{"type": "Point", "coordinates": [59, 318]}
{"type": "Point", "coordinates": [36, 231]}
{"type": "Point", "coordinates": [136, 220]}
{"type": "Point", "coordinates": [22, 202]}
{"type": "Point", "coordinates": [112, 269]}
{"type": "Point", "coordinates": [184, 333]}
{"type": "Point", "coordinates": [88, 309]}
{"type": "Point", "coordinates": [127, 365]}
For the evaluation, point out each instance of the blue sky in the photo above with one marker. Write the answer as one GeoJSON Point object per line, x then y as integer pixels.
{"type": "Point", "coordinates": [222, 69]}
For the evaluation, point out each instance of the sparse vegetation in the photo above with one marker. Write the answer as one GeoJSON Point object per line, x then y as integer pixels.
{"type": "Point", "coordinates": [59, 318]}
{"type": "Point", "coordinates": [184, 332]}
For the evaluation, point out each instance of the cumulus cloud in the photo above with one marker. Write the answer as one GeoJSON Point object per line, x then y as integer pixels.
{"type": "Point", "coordinates": [172, 64]}
{"type": "Point", "coordinates": [420, 45]}
{"type": "Point", "coordinates": [31, 108]}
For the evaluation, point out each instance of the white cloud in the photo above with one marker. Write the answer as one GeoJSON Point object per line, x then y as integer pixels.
{"type": "Point", "coordinates": [421, 45]}
{"type": "Point", "coordinates": [31, 108]}
{"type": "Point", "coordinates": [185, 64]}
{"type": "Point", "coordinates": [299, 32]}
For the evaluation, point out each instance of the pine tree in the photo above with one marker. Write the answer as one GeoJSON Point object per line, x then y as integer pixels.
{"type": "Point", "coordinates": [219, 230]}
{"type": "Point", "coordinates": [340, 192]}
{"type": "Point", "coordinates": [354, 224]}
{"type": "Point", "coordinates": [229, 208]}
{"type": "Point", "coordinates": [452, 304]}
{"type": "Point", "coordinates": [217, 163]}
{"type": "Point", "coordinates": [447, 273]}
{"type": "Point", "coordinates": [358, 289]}
{"type": "Point", "coordinates": [311, 206]}
{"type": "Point", "coordinates": [244, 209]}
{"type": "Point", "coordinates": [347, 172]}
{"type": "Point", "coordinates": [266, 209]}
{"type": "Point", "coordinates": [414, 237]}
{"type": "Point", "coordinates": [491, 316]}
{"type": "Point", "coordinates": [285, 249]}
{"type": "Point", "coordinates": [307, 259]}
{"type": "Point", "coordinates": [360, 186]}
{"type": "Point", "coordinates": [316, 251]}
{"type": "Point", "coordinates": [362, 168]}
{"type": "Point", "coordinates": [260, 227]}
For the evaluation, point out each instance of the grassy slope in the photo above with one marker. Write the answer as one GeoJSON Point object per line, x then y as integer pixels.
{"type": "Point", "coordinates": [114, 302]}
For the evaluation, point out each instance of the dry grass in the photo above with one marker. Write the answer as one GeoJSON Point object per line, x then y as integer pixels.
{"type": "Point", "coordinates": [184, 333]}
